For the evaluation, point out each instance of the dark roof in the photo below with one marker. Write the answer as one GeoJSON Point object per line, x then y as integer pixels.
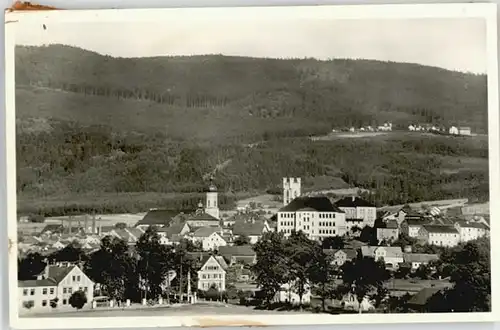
{"type": "Point", "coordinates": [36, 283]}
{"type": "Point", "coordinates": [471, 224]}
{"type": "Point", "coordinates": [353, 202]}
{"type": "Point", "coordinates": [230, 251]}
{"type": "Point", "coordinates": [440, 229]}
{"type": "Point", "coordinates": [158, 218]}
{"type": "Point", "coordinates": [242, 217]}
{"type": "Point", "coordinates": [173, 229]}
{"type": "Point", "coordinates": [391, 224]}
{"type": "Point", "coordinates": [202, 216]}
{"type": "Point", "coordinates": [249, 228]}
{"type": "Point", "coordinates": [350, 253]}
{"type": "Point", "coordinates": [320, 204]}
{"type": "Point", "coordinates": [206, 231]}
{"type": "Point", "coordinates": [423, 296]}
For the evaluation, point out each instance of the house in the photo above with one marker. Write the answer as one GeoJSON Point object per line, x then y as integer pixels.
{"type": "Point", "coordinates": [53, 229]}
{"type": "Point", "coordinates": [357, 208]}
{"type": "Point", "coordinates": [340, 257]}
{"type": "Point", "coordinates": [453, 130]}
{"type": "Point", "coordinates": [59, 245]}
{"type": "Point", "coordinates": [389, 232]}
{"type": "Point", "coordinates": [157, 217]}
{"type": "Point", "coordinates": [243, 254]}
{"type": "Point", "coordinates": [411, 227]}
{"type": "Point", "coordinates": [473, 209]}
{"type": "Point", "coordinates": [167, 233]}
{"type": "Point", "coordinates": [202, 219]}
{"type": "Point", "coordinates": [470, 230]}
{"type": "Point", "coordinates": [392, 255]}
{"type": "Point", "coordinates": [212, 273]}
{"type": "Point", "coordinates": [252, 229]}
{"type": "Point", "coordinates": [418, 259]}
{"type": "Point", "coordinates": [53, 288]}
{"type": "Point", "coordinates": [421, 302]}
{"type": "Point", "coordinates": [209, 237]}
{"type": "Point", "coordinates": [464, 130]}
{"type": "Point", "coordinates": [288, 294]}
{"type": "Point", "coordinates": [317, 217]}
{"type": "Point", "coordinates": [439, 235]}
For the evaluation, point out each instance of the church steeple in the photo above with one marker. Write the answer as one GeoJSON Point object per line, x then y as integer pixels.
{"type": "Point", "coordinates": [212, 205]}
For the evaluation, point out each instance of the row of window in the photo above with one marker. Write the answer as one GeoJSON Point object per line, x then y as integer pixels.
{"type": "Point", "coordinates": [286, 223]}
{"type": "Point", "coordinates": [76, 278]}
{"type": "Point", "coordinates": [327, 215]}
{"type": "Point", "coordinates": [207, 286]}
{"type": "Point", "coordinates": [288, 215]}
{"type": "Point", "coordinates": [207, 276]}
{"type": "Point", "coordinates": [212, 268]}
{"type": "Point", "coordinates": [326, 224]}
{"type": "Point", "coordinates": [327, 231]}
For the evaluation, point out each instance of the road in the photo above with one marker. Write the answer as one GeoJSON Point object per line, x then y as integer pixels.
{"type": "Point", "coordinates": [185, 310]}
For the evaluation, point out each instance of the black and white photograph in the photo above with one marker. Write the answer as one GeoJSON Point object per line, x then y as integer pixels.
{"type": "Point", "coordinates": [294, 165]}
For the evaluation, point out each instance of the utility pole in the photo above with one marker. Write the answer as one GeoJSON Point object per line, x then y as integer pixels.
{"type": "Point", "coordinates": [180, 281]}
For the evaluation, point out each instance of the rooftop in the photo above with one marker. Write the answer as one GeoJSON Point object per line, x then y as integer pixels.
{"type": "Point", "coordinates": [391, 251]}
{"type": "Point", "coordinates": [319, 204]}
{"type": "Point", "coordinates": [440, 229]}
{"type": "Point", "coordinates": [471, 224]}
{"type": "Point", "coordinates": [242, 250]}
{"type": "Point", "coordinates": [158, 218]}
{"type": "Point", "coordinates": [249, 228]}
{"type": "Point", "coordinates": [206, 231]}
{"type": "Point", "coordinates": [353, 202]}
{"type": "Point", "coordinates": [419, 257]}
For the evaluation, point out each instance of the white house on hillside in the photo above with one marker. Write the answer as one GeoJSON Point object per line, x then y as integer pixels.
{"type": "Point", "coordinates": [439, 235]}
{"type": "Point", "coordinates": [53, 288]}
{"type": "Point", "coordinates": [212, 273]}
{"type": "Point", "coordinates": [209, 237]}
{"type": "Point", "coordinates": [392, 255]}
{"type": "Point", "coordinates": [453, 130]}
{"type": "Point", "coordinates": [469, 230]}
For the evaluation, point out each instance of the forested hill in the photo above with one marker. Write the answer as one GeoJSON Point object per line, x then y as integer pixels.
{"type": "Point", "coordinates": [213, 95]}
{"type": "Point", "coordinates": [96, 133]}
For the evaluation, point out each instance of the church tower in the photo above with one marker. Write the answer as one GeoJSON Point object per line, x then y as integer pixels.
{"type": "Point", "coordinates": [291, 190]}
{"type": "Point", "coordinates": [212, 204]}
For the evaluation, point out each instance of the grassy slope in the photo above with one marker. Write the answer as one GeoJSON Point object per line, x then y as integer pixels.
{"type": "Point", "coordinates": [260, 97]}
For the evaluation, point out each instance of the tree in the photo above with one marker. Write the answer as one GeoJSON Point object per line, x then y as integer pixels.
{"type": "Point", "coordinates": [78, 299]}
{"type": "Point", "coordinates": [368, 235]}
{"type": "Point", "coordinates": [155, 261]}
{"type": "Point", "coordinates": [113, 267]}
{"type": "Point", "coordinates": [36, 218]}
{"type": "Point", "coordinates": [423, 272]}
{"type": "Point", "coordinates": [364, 276]}
{"type": "Point", "coordinates": [73, 252]}
{"type": "Point", "coordinates": [30, 266]}
{"type": "Point", "coordinates": [270, 269]}
{"type": "Point", "coordinates": [322, 274]}
{"type": "Point", "coordinates": [242, 240]}
{"type": "Point", "coordinates": [333, 242]}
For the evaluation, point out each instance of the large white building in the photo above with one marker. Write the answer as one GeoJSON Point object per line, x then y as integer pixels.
{"type": "Point", "coordinates": [53, 288]}
{"type": "Point", "coordinates": [291, 190]}
{"type": "Point", "coordinates": [439, 235]}
{"type": "Point", "coordinates": [470, 230]}
{"type": "Point", "coordinates": [357, 208]}
{"type": "Point", "coordinates": [317, 217]}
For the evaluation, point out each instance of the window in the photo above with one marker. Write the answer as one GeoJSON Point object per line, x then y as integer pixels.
{"type": "Point", "coordinates": [78, 278]}
{"type": "Point", "coordinates": [51, 290]}
{"type": "Point", "coordinates": [70, 290]}
{"type": "Point", "coordinates": [25, 292]}
{"type": "Point", "coordinates": [204, 276]}
{"type": "Point", "coordinates": [44, 291]}
{"type": "Point", "coordinates": [32, 292]}
{"type": "Point", "coordinates": [44, 303]}
{"type": "Point", "coordinates": [65, 290]}
{"type": "Point", "coordinates": [65, 302]}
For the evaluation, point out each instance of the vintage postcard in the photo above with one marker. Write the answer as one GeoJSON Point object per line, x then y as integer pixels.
{"type": "Point", "coordinates": [252, 166]}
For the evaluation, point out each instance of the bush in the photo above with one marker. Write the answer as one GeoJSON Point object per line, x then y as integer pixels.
{"type": "Point", "coordinates": [36, 218]}
{"type": "Point", "coordinates": [28, 304]}
{"type": "Point", "coordinates": [53, 302]}
{"type": "Point", "coordinates": [78, 299]}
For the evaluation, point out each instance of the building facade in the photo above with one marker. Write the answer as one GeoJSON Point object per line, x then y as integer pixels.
{"type": "Point", "coordinates": [53, 288]}
{"type": "Point", "coordinates": [317, 217]}
{"type": "Point", "coordinates": [439, 235]}
{"type": "Point", "coordinates": [357, 208]}
{"type": "Point", "coordinates": [212, 273]}
{"type": "Point", "coordinates": [470, 231]}
{"type": "Point", "coordinates": [392, 255]}
{"type": "Point", "coordinates": [212, 202]}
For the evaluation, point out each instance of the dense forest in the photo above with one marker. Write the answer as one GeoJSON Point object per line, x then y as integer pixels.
{"type": "Point", "coordinates": [92, 125]}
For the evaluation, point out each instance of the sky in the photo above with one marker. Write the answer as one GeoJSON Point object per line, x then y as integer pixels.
{"type": "Point", "coordinates": [451, 43]}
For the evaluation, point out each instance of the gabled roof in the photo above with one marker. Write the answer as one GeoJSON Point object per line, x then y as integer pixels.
{"type": "Point", "coordinates": [174, 229]}
{"type": "Point", "coordinates": [319, 204]}
{"type": "Point", "coordinates": [206, 231]}
{"type": "Point", "coordinates": [231, 251]}
{"type": "Point", "coordinates": [353, 202]}
{"type": "Point", "coordinates": [471, 224]}
{"type": "Point", "coordinates": [202, 216]}
{"type": "Point", "coordinates": [391, 224]}
{"type": "Point", "coordinates": [440, 229]}
{"type": "Point", "coordinates": [218, 259]}
{"type": "Point", "coordinates": [243, 217]}
{"type": "Point", "coordinates": [423, 296]}
{"type": "Point", "coordinates": [350, 253]}
{"type": "Point", "coordinates": [249, 228]}
{"type": "Point", "coordinates": [419, 257]}
{"type": "Point", "coordinates": [157, 218]}
{"type": "Point", "coordinates": [36, 283]}
{"type": "Point", "coordinates": [55, 275]}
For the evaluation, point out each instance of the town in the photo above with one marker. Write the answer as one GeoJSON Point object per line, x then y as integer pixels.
{"type": "Point", "coordinates": [303, 253]}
